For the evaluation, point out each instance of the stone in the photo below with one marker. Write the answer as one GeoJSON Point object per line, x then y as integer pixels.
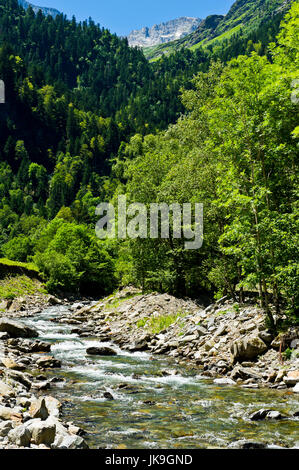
{"type": "Point", "coordinates": [209, 345]}
{"type": "Point", "coordinates": [259, 415]}
{"type": "Point", "coordinates": [64, 440]}
{"type": "Point", "coordinates": [247, 445]}
{"type": "Point", "coordinates": [292, 378]}
{"type": "Point", "coordinates": [101, 351]}
{"type": "Point", "coordinates": [6, 390]}
{"type": "Point", "coordinates": [108, 396]}
{"type": "Point", "coordinates": [5, 428]}
{"type": "Point", "coordinates": [53, 406]}
{"type": "Point", "coordinates": [70, 442]}
{"type": "Point", "coordinates": [248, 348]}
{"type": "Point", "coordinates": [274, 415]}
{"type": "Point", "coordinates": [48, 362]}
{"type": "Point", "coordinates": [4, 335]}
{"type": "Point", "coordinates": [11, 364]}
{"type": "Point", "coordinates": [20, 436]}
{"type": "Point", "coordinates": [41, 385]}
{"type": "Point", "coordinates": [42, 432]}
{"type": "Point", "coordinates": [51, 300]}
{"type": "Point", "coordinates": [10, 414]}
{"type": "Point", "coordinates": [224, 381]}
{"type": "Point", "coordinates": [265, 336]}
{"type": "Point", "coordinates": [38, 409]}
{"type": "Point", "coordinates": [16, 329]}
{"type": "Point", "coordinates": [296, 388]}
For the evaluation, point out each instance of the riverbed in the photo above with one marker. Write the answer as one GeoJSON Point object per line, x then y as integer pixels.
{"type": "Point", "coordinates": [135, 400]}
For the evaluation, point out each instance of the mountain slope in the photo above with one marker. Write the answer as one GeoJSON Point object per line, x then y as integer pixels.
{"type": "Point", "coordinates": [243, 17]}
{"type": "Point", "coordinates": [46, 11]}
{"type": "Point", "coordinates": [164, 32]}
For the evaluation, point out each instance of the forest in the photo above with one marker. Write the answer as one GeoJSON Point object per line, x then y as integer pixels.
{"type": "Point", "coordinates": [87, 118]}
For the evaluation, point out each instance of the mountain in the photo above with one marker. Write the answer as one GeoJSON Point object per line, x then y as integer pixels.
{"type": "Point", "coordinates": [46, 11]}
{"type": "Point", "coordinates": [244, 17]}
{"type": "Point", "coordinates": [164, 32]}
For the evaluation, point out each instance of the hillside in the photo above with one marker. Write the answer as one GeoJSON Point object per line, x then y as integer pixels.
{"type": "Point", "coordinates": [244, 17]}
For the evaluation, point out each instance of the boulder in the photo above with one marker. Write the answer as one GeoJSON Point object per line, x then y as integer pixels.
{"type": "Point", "coordinates": [296, 388]}
{"type": "Point", "coordinates": [4, 335]}
{"type": "Point", "coordinates": [259, 415]}
{"type": "Point", "coordinates": [247, 348]}
{"type": "Point", "coordinates": [21, 377]}
{"type": "Point", "coordinates": [20, 436]}
{"type": "Point", "coordinates": [11, 364]}
{"type": "Point", "coordinates": [42, 432]}
{"type": "Point", "coordinates": [10, 414]}
{"type": "Point", "coordinates": [292, 378]}
{"type": "Point", "coordinates": [224, 381]}
{"type": "Point", "coordinates": [63, 439]}
{"type": "Point", "coordinates": [101, 351]}
{"type": "Point", "coordinates": [48, 362]}
{"type": "Point", "coordinates": [6, 390]}
{"type": "Point", "coordinates": [5, 428]}
{"type": "Point", "coordinates": [16, 329]}
{"type": "Point", "coordinates": [38, 409]}
{"type": "Point", "coordinates": [53, 406]}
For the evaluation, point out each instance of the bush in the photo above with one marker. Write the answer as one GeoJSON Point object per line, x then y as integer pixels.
{"type": "Point", "coordinates": [18, 248]}
{"type": "Point", "coordinates": [74, 259]}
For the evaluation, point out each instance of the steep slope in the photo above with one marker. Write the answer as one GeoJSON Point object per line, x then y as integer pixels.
{"type": "Point", "coordinates": [243, 17]}
{"type": "Point", "coordinates": [164, 32]}
{"type": "Point", "coordinates": [46, 11]}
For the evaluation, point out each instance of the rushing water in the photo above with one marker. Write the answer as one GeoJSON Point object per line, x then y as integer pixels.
{"type": "Point", "coordinates": [152, 411]}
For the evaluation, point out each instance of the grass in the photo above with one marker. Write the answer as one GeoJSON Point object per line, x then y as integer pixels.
{"type": "Point", "coordinates": [10, 263]}
{"type": "Point", "coordinates": [117, 302]}
{"type": "Point", "coordinates": [157, 324]}
{"type": "Point", "coordinates": [18, 286]}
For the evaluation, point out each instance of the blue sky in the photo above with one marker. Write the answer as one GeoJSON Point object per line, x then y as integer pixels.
{"type": "Point", "coordinates": [122, 16]}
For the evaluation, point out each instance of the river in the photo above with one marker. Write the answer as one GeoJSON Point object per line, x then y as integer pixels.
{"type": "Point", "coordinates": [178, 411]}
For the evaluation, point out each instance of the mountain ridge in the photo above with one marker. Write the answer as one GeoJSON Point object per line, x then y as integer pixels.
{"type": "Point", "coordinates": [45, 10]}
{"type": "Point", "coordinates": [163, 32]}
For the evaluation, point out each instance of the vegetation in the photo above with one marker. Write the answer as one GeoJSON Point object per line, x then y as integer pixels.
{"type": "Point", "coordinates": [19, 286]}
{"type": "Point", "coordinates": [88, 118]}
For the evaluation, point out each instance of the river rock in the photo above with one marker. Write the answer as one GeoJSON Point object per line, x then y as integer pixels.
{"type": "Point", "coordinates": [10, 414]}
{"type": "Point", "coordinates": [224, 381]}
{"type": "Point", "coordinates": [11, 364]}
{"type": "Point", "coordinates": [42, 432]}
{"type": "Point", "coordinates": [274, 415]}
{"type": "Point", "coordinates": [259, 415]}
{"type": "Point", "coordinates": [247, 445]}
{"type": "Point", "coordinates": [101, 351]}
{"type": "Point", "coordinates": [20, 436]}
{"type": "Point", "coordinates": [53, 406]}
{"type": "Point", "coordinates": [5, 428]}
{"type": "Point", "coordinates": [16, 329]}
{"type": "Point", "coordinates": [4, 335]}
{"type": "Point", "coordinates": [292, 378]}
{"type": "Point", "coordinates": [38, 409]}
{"type": "Point", "coordinates": [6, 390]}
{"type": "Point", "coordinates": [296, 388]}
{"type": "Point", "coordinates": [48, 362]}
{"type": "Point", "coordinates": [247, 348]}
{"type": "Point", "coordinates": [21, 377]}
{"type": "Point", "coordinates": [63, 440]}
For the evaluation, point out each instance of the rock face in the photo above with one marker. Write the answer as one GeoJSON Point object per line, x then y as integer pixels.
{"type": "Point", "coordinates": [46, 11]}
{"type": "Point", "coordinates": [248, 348]}
{"type": "Point", "coordinates": [16, 329]}
{"type": "Point", "coordinates": [164, 32]}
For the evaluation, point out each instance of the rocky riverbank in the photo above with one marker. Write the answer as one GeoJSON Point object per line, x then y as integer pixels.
{"type": "Point", "coordinates": [225, 342]}
{"type": "Point", "coordinates": [28, 418]}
